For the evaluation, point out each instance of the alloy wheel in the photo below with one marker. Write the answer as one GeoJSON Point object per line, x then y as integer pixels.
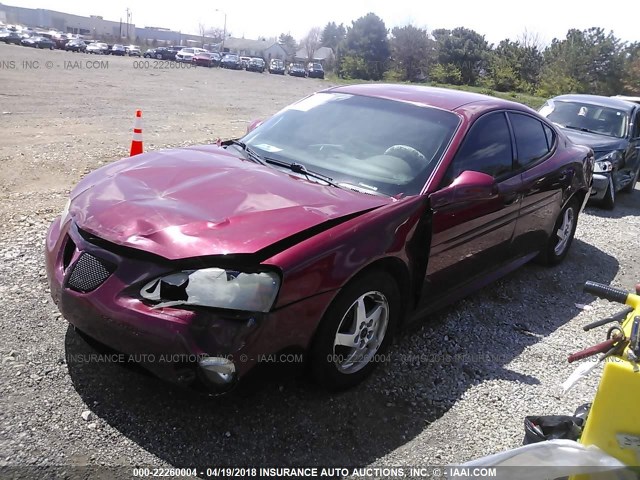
{"type": "Point", "coordinates": [361, 332]}
{"type": "Point", "coordinates": [564, 230]}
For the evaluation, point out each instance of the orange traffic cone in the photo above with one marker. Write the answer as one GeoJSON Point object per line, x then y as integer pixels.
{"type": "Point", "coordinates": [136, 143]}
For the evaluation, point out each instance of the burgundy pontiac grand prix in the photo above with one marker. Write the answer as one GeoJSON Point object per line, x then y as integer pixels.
{"type": "Point", "coordinates": [323, 231]}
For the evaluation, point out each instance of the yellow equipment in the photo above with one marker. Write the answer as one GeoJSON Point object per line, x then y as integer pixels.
{"type": "Point", "coordinates": [613, 422]}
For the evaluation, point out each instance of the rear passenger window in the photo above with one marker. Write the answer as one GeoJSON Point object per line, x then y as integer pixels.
{"type": "Point", "coordinates": [550, 135]}
{"type": "Point", "coordinates": [486, 149]}
{"type": "Point", "coordinates": [531, 138]}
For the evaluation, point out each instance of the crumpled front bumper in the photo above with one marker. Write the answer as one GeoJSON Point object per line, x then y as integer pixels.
{"type": "Point", "coordinates": [600, 184]}
{"type": "Point", "coordinates": [209, 347]}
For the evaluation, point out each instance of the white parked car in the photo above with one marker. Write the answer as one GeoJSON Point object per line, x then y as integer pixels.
{"type": "Point", "coordinates": [98, 48]}
{"type": "Point", "coordinates": [186, 54]}
{"type": "Point", "coordinates": [133, 51]}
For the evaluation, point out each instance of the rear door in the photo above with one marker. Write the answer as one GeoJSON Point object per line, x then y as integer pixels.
{"type": "Point", "coordinates": [543, 181]}
{"type": "Point", "coordinates": [472, 238]}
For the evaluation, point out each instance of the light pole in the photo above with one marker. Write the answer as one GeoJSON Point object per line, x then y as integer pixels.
{"type": "Point", "coordinates": [224, 30]}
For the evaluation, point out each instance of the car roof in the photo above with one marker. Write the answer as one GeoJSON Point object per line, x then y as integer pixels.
{"type": "Point", "coordinates": [596, 100]}
{"type": "Point", "coordinates": [627, 98]}
{"type": "Point", "coordinates": [444, 98]}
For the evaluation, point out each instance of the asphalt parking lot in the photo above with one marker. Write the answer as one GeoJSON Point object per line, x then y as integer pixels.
{"type": "Point", "coordinates": [453, 389]}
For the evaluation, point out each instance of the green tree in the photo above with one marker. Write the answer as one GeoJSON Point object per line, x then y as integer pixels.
{"type": "Point", "coordinates": [501, 73]}
{"type": "Point", "coordinates": [464, 48]}
{"type": "Point", "coordinates": [352, 66]}
{"type": "Point", "coordinates": [332, 35]}
{"type": "Point", "coordinates": [592, 60]}
{"type": "Point", "coordinates": [366, 41]}
{"type": "Point", "coordinates": [448, 73]}
{"type": "Point", "coordinates": [288, 43]}
{"type": "Point", "coordinates": [631, 73]}
{"type": "Point", "coordinates": [513, 66]}
{"type": "Point", "coordinates": [411, 51]}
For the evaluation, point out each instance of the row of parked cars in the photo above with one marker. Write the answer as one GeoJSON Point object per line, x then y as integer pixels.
{"type": "Point", "coordinates": [232, 61]}
{"type": "Point", "coordinates": [196, 56]}
{"type": "Point", "coordinates": [37, 41]}
{"type": "Point", "coordinates": [100, 48]}
{"type": "Point", "coordinates": [68, 43]}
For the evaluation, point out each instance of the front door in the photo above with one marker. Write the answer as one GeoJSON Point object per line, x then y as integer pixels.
{"type": "Point", "coordinates": [473, 237]}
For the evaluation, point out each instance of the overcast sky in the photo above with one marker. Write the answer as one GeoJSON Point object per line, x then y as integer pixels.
{"type": "Point", "coordinates": [494, 19]}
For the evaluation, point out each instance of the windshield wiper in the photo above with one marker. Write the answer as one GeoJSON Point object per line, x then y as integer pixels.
{"type": "Point", "coordinates": [249, 153]}
{"type": "Point", "coordinates": [582, 129]}
{"type": "Point", "coordinates": [234, 141]}
{"type": "Point", "coordinates": [294, 166]}
{"type": "Point", "coordinates": [301, 169]}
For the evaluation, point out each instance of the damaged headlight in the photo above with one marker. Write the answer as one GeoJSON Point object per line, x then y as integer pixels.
{"type": "Point", "coordinates": [605, 163]}
{"type": "Point", "coordinates": [215, 287]}
{"type": "Point", "coordinates": [602, 167]}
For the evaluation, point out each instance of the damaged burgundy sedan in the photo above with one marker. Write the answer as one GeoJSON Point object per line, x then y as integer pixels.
{"type": "Point", "coordinates": [322, 231]}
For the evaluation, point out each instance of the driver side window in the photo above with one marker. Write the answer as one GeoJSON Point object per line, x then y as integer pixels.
{"type": "Point", "coordinates": [486, 149]}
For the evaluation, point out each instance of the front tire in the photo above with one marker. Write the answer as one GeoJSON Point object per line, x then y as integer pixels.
{"type": "Point", "coordinates": [609, 200]}
{"type": "Point", "coordinates": [561, 239]}
{"type": "Point", "coordinates": [355, 331]}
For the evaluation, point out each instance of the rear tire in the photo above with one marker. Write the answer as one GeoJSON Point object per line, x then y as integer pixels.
{"type": "Point", "coordinates": [561, 239]}
{"type": "Point", "coordinates": [355, 331]}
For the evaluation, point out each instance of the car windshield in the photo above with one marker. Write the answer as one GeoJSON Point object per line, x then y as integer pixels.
{"type": "Point", "coordinates": [587, 117]}
{"type": "Point", "coordinates": [371, 144]}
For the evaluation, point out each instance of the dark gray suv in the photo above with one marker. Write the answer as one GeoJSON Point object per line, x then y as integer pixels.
{"type": "Point", "coordinates": [611, 127]}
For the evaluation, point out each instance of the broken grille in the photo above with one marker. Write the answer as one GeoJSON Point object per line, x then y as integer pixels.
{"type": "Point", "coordinates": [89, 273]}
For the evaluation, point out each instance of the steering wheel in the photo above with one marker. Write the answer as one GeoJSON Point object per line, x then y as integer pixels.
{"type": "Point", "coordinates": [413, 157]}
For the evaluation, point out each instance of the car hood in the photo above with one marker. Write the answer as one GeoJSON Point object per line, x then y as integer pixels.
{"type": "Point", "coordinates": [595, 141]}
{"type": "Point", "coordinates": [199, 201]}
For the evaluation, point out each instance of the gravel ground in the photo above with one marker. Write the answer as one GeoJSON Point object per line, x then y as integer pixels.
{"type": "Point", "coordinates": [456, 388]}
